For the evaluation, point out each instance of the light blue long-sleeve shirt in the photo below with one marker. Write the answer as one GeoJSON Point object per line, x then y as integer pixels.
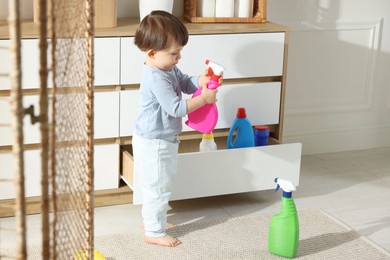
{"type": "Point", "coordinates": [160, 106]}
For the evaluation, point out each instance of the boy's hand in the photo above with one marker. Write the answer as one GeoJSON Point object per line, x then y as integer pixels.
{"type": "Point", "coordinates": [205, 78]}
{"type": "Point", "coordinates": [209, 95]}
{"type": "Point", "coordinates": [220, 79]}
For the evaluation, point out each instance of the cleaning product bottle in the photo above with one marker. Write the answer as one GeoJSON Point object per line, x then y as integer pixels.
{"type": "Point", "coordinates": [261, 133]}
{"type": "Point", "coordinates": [216, 71]}
{"type": "Point", "coordinates": [283, 237]}
{"type": "Point", "coordinates": [243, 131]}
{"type": "Point", "coordinates": [207, 144]}
{"type": "Point", "coordinates": [205, 118]}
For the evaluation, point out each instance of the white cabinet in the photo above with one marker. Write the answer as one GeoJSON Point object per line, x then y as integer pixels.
{"type": "Point", "coordinates": [107, 61]}
{"type": "Point", "coordinates": [5, 121]}
{"type": "Point", "coordinates": [254, 58]}
{"type": "Point", "coordinates": [106, 166]}
{"type": "Point", "coordinates": [106, 114]}
{"type": "Point", "coordinates": [242, 170]}
{"type": "Point", "coordinates": [30, 63]}
{"type": "Point", "coordinates": [31, 132]}
{"type": "Point", "coordinates": [32, 173]}
{"type": "Point", "coordinates": [243, 55]}
{"type": "Point", "coordinates": [5, 64]}
{"type": "Point", "coordinates": [128, 111]}
{"type": "Point", "coordinates": [246, 55]}
{"type": "Point", "coordinates": [132, 60]}
{"type": "Point", "coordinates": [7, 188]}
{"type": "Point", "coordinates": [107, 52]}
{"type": "Point", "coordinates": [261, 101]}
{"type": "Point", "coordinates": [254, 66]}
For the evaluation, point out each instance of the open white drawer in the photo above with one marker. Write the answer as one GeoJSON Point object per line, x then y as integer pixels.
{"type": "Point", "coordinates": [226, 171]}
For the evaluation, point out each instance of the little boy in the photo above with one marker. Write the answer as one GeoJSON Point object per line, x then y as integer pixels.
{"type": "Point", "coordinates": [161, 36]}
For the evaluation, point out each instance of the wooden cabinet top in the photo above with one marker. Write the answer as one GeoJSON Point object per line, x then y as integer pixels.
{"type": "Point", "coordinates": [127, 27]}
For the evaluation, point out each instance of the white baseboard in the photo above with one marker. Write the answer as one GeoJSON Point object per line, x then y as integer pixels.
{"type": "Point", "coordinates": [338, 140]}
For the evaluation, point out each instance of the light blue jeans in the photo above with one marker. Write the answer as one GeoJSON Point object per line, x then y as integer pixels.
{"type": "Point", "coordinates": [155, 166]}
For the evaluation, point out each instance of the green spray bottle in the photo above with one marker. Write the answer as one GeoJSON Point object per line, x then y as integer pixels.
{"type": "Point", "coordinates": [283, 237]}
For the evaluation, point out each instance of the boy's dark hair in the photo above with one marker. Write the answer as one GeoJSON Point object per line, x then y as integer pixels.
{"type": "Point", "coordinates": [158, 30]}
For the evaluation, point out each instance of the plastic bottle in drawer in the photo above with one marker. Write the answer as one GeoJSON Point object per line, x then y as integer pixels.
{"type": "Point", "coordinates": [207, 144]}
{"type": "Point", "coordinates": [261, 133]}
{"type": "Point", "coordinates": [241, 132]}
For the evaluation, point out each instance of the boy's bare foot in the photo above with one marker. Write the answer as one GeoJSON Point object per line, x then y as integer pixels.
{"type": "Point", "coordinates": [163, 241]}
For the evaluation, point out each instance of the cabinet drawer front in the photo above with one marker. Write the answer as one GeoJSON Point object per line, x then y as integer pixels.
{"type": "Point", "coordinates": [5, 121]}
{"type": "Point", "coordinates": [233, 171]}
{"type": "Point", "coordinates": [132, 60]}
{"type": "Point", "coordinates": [30, 64]}
{"type": "Point", "coordinates": [106, 114]}
{"type": "Point", "coordinates": [242, 55]}
{"type": "Point", "coordinates": [106, 166]}
{"type": "Point", "coordinates": [5, 64]}
{"type": "Point", "coordinates": [106, 118]}
{"type": "Point", "coordinates": [242, 170]}
{"type": "Point", "coordinates": [32, 173]}
{"type": "Point", "coordinates": [7, 189]}
{"type": "Point", "coordinates": [31, 132]}
{"type": "Point", "coordinates": [105, 163]}
{"type": "Point", "coordinates": [128, 111]}
{"type": "Point", "coordinates": [107, 61]}
{"type": "Point", "coordinates": [261, 101]}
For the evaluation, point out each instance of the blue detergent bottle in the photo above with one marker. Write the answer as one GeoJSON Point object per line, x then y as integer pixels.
{"type": "Point", "coordinates": [243, 131]}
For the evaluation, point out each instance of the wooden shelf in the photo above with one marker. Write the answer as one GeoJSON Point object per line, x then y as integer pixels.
{"type": "Point", "coordinates": [127, 27]}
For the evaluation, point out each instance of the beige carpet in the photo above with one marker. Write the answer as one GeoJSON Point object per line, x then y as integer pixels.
{"type": "Point", "coordinates": [321, 237]}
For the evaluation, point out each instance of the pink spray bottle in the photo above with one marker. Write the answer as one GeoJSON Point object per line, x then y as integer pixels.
{"type": "Point", "coordinates": [205, 118]}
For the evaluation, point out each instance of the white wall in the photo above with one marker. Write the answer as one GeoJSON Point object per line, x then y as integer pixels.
{"type": "Point", "coordinates": [338, 79]}
{"type": "Point", "coordinates": [338, 76]}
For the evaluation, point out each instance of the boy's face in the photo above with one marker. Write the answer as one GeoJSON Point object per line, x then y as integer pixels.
{"type": "Point", "coordinates": [166, 59]}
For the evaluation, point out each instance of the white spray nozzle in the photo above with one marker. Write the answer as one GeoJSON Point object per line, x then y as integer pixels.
{"type": "Point", "coordinates": [286, 185]}
{"type": "Point", "coordinates": [217, 69]}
